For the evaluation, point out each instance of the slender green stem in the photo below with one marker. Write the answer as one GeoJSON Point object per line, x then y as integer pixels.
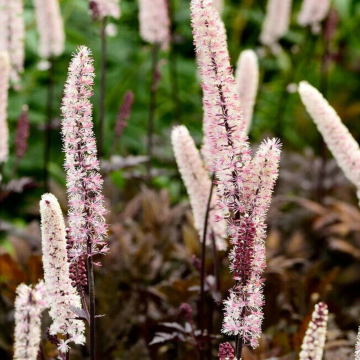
{"type": "Point", "coordinates": [49, 111]}
{"type": "Point", "coordinates": [152, 110]}
{"type": "Point", "coordinates": [102, 88]}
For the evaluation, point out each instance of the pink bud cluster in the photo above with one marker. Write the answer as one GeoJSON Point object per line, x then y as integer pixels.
{"type": "Point", "coordinates": [29, 304]}
{"type": "Point", "coordinates": [226, 352]}
{"type": "Point", "coordinates": [50, 28]}
{"type": "Point", "coordinates": [313, 344]}
{"type": "Point", "coordinates": [124, 113]}
{"type": "Point", "coordinates": [247, 81]}
{"type": "Point", "coordinates": [337, 137]}
{"type": "Point", "coordinates": [77, 267]}
{"type": "Point", "coordinates": [244, 185]}
{"type": "Point", "coordinates": [155, 22]}
{"type": "Point", "coordinates": [198, 184]}
{"type": "Point", "coordinates": [12, 34]}
{"type": "Point", "coordinates": [60, 294]}
{"type": "Point", "coordinates": [313, 13]}
{"type": "Point", "coordinates": [276, 22]}
{"type": "Point", "coordinates": [4, 88]}
{"type": "Point", "coordinates": [100, 9]}
{"type": "Point", "coordinates": [22, 133]}
{"type": "Point", "coordinates": [84, 182]}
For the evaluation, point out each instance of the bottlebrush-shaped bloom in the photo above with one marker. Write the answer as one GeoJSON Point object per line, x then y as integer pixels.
{"type": "Point", "coordinates": [154, 22]}
{"type": "Point", "coordinates": [313, 344]}
{"type": "Point", "coordinates": [198, 184]}
{"type": "Point", "coordinates": [50, 28]}
{"type": "Point", "coordinates": [357, 346]}
{"type": "Point", "coordinates": [276, 22]}
{"type": "Point", "coordinates": [12, 34]}
{"type": "Point", "coordinates": [226, 352]}
{"type": "Point", "coordinates": [313, 13]}
{"type": "Point", "coordinates": [22, 133]}
{"type": "Point", "coordinates": [244, 185]}
{"type": "Point", "coordinates": [4, 88]}
{"type": "Point", "coordinates": [100, 9]}
{"type": "Point", "coordinates": [247, 81]}
{"type": "Point", "coordinates": [29, 305]}
{"type": "Point", "coordinates": [60, 294]}
{"type": "Point", "coordinates": [84, 183]}
{"type": "Point", "coordinates": [337, 137]}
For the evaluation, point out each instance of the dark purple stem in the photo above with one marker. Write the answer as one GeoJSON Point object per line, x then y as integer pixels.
{"type": "Point", "coordinates": [203, 260]}
{"type": "Point", "coordinates": [153, 93]}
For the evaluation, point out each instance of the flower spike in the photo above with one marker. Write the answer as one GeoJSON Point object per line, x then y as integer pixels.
{"type": "Point", "coordinates": [197, 182]}
{"type": "Point", "coordinates": [50, 28]}
{"type": "Point", "coordinates": [29, 305]}
{"type": "Point", "coordinates": [337, 137]}
{"type": "Point", "coordinates": [247, 80]}
{"type": "Point", "coordinates": [61, 295]}
{"type": "Point", "coordinates": [313, 344]}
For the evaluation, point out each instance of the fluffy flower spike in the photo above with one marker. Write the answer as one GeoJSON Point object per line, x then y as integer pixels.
{"type": "Point", "coordinates": [197, 182]}
{"type": "Point", "coordinates": [154, 22]}
{"type": "Point", "coordinates": [247, 81]}
{"type": "Point", "coordinates": [313, 13]}
{"type": "Point", "coordinates": [276, 22]}
{"type": "Point", "coordinates": [313, 344]}
{"type": "Point", "coordinates": [337, 137]}
{"type": "Point", "coordinates": [4, 88]}
{"type": "Point", "coordinates": [84, 182]}
{"type": "Point", "coordinates": [29, 305]}
{"type": "Point", "coordinates": [50, 28]}
{"type": "Point", "coordinates": [243, 185]}
{"type": "Point", "coordinates": [12, 35]}
{"type": "Point", "coordinates": [61, 295]}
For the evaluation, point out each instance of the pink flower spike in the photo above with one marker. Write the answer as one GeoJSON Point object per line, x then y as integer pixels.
{"type": "Point", "coordinates": [154, 22]}
{"type": "Point", "coordinates": [50, 28]}
{"type": "Point", "coordinates": [84, 183]}
{"type": "Point", "coordinates": [198, 184]}
{"type": "Point", "coordinates": [60, 293]}
{"type": "Point", "coordinates": [29, 304]}
{"type": "Point", "coordinates": [247, 81]}
{"type": "Point", "coordinates": [12, 34]}
{"type": "Point", "coordinates": [276, 22]}
{"type": "Point", "coordinates": [313, 344]}
{"type": "Point", "coordinates": [4, 88]}
{"type": "Point", "coordinates": [337, 137]}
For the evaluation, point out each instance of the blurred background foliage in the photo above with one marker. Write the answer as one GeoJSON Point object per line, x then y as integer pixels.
{"type": "Point", "coordinates": [313, 244]}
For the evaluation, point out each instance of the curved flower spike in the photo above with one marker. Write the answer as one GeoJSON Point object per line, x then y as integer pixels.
{"type": "Point", "coordinates": [337, 137]}
{"type": "Point", "coordinates": [197, 182]}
